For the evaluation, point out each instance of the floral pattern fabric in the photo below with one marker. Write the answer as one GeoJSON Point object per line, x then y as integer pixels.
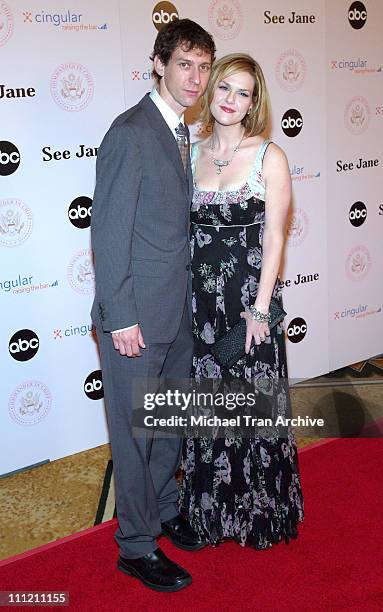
{"type": "Point", "coordinates": [236, 487]}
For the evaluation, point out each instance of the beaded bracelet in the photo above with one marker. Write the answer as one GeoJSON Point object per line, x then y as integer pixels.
{"type": "Point", "coordinates": [257, 315]}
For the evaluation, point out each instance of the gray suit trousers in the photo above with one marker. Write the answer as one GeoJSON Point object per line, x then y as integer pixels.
{"type": "Point", "coordinates": [144, 464]}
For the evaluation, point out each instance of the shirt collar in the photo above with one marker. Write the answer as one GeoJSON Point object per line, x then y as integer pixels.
{"type": "Point", "coordinates": [171, 118]}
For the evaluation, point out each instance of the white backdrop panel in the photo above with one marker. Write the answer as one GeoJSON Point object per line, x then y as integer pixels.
{"type": "Point", "coordinates": [86, 65]}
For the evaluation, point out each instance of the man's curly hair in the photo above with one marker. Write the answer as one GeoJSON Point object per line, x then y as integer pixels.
{"type": "Point", "coordinates": [183, 33]}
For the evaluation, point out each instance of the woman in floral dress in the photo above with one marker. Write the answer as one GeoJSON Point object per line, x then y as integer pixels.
{"type": "Point", "coordinates": [241, 487]}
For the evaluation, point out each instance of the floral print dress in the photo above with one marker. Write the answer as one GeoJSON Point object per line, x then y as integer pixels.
{"type": "Point", "coordinates": [245, 488]}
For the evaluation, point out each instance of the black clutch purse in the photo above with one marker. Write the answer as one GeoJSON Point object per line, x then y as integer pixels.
{"type": "Point", "coordinates": [231, 347]}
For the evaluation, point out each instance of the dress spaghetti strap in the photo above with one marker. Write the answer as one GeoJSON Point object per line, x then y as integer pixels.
{"type": "Point", "coordinates": [255, 181]}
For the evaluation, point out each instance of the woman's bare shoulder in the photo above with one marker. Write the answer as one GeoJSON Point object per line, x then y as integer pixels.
{"type": "Point", "coordinates": [274, 155]}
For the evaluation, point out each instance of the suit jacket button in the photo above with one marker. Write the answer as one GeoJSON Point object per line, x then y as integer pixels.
{"type": "Point", "coordinates": [188, 267]}
{"type": "Point", "coordinates": [101, 311]}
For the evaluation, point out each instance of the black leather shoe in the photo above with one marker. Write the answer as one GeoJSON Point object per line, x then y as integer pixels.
{"type": "Point", "coordinates": [182, 534]}
{"type": "Point", "coordinates": [156, 571]}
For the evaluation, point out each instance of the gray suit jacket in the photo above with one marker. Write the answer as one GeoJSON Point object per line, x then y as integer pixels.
{"type": "Point", "coordinates": [140, 226]}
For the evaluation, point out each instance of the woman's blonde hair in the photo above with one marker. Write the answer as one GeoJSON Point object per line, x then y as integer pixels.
{"type": "Point", "coordinates": [257, 118]}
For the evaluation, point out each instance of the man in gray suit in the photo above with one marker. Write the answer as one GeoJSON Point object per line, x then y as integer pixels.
{"type": "Point", "coordinates": [142, 307]}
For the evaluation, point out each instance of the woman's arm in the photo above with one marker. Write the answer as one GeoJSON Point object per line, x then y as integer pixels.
{"type": "Point", "coordinates": [277, 179]}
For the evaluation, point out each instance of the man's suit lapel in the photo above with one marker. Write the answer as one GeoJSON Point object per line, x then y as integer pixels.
{"type": "Point", "coordinates": [165, 136]}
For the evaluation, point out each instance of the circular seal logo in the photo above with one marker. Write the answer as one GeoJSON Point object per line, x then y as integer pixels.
{"type": "Point", "coordinates": [357, 115]}
{"type": "Point", "coordinates": [297, 330]}
{"type": "Point", "coordinates": [358, 263]}
{"type": "Point", "coordinates": [93, 387]}
{"type": "Point", "coordinates": [164, 13]}
{"type": "Point", "coordinates": [6, 22]}
{"type": "Point", "coordinates": [72, 86]}
{"type": "Point", "coordinates": [357, 214]}
{"type": "Point", "coordinates": [297, 228]}
{"type": "Point", "coordinates": [357, 15]}
{"type": "Point", "coordinates": [225, 18]}
{"type": "Point", "coordinates": [81, 272]}
{"type": "Point", "coordinates": [290, 70]}
{"type": "Point", "coordinates": [80, 211]}
{"type": "Point", "coordinates": [16, 222]}
{"type": "Point", "coordinates": [30, 403]}
{"type": "Point", "coordinates": [9, 158]}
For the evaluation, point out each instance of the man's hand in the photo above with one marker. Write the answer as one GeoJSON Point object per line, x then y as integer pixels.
{"type": "Point", "coordinates": [129, 342]}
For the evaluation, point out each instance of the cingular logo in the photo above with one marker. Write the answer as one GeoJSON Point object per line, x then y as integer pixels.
{"type": "Point", "coordinates": [357, 214]}
{"type": "Point", "coordinates": [292, 122]}
{"type": "Point", "coordinates": [357, 15]}
{"type": "Point", "coordinates": [297, 330]}
{"type": "Point", "coordinates": [80, 211]}
{"type": "Point", "coordinates": [24, 345]}
{"type": "Point", "coordinates": [9, 158]}
{"type": "Point", "coordinates": [93, 386]}
{"type": "Point", "coordinates": [163, 13]}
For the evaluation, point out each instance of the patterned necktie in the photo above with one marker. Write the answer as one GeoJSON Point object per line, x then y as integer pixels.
{"type": "Point", "coordinates": [183, 143]}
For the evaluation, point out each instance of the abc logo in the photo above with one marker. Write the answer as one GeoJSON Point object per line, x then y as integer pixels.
{"type": "Point", "coordinates": [23, 345]}
{"type": "Point", "coordinates": [9, 158]}
{"type": "Point", "coordinates": [357, 15]}
{"type": "Point", "coordinates": [80, 211]}
{"type": "Point", "coordinates": [357, 214]}
{"type": "Point", "coordinates": [292, 122]}
{"type": "Point", "coordinates": [297, 330]}
{"type": "Point", "coordinates": [163, 13]}
{"type": "Point", "coordinates": [93, 386]}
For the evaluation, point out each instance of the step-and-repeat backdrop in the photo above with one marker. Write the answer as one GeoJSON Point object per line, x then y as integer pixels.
{"type": "Point", "coordinates": [66, 72]}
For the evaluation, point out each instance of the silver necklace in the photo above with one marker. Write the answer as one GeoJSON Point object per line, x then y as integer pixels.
{"type": "Point", "coordinates": [222, 163]}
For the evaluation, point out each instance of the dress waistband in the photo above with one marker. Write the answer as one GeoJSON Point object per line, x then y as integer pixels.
{"type": "Point", "coordinates": [231, 225]}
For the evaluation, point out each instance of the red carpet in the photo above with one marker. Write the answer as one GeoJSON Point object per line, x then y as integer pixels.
{"type": "Point", "coordinates": [335, 564]}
